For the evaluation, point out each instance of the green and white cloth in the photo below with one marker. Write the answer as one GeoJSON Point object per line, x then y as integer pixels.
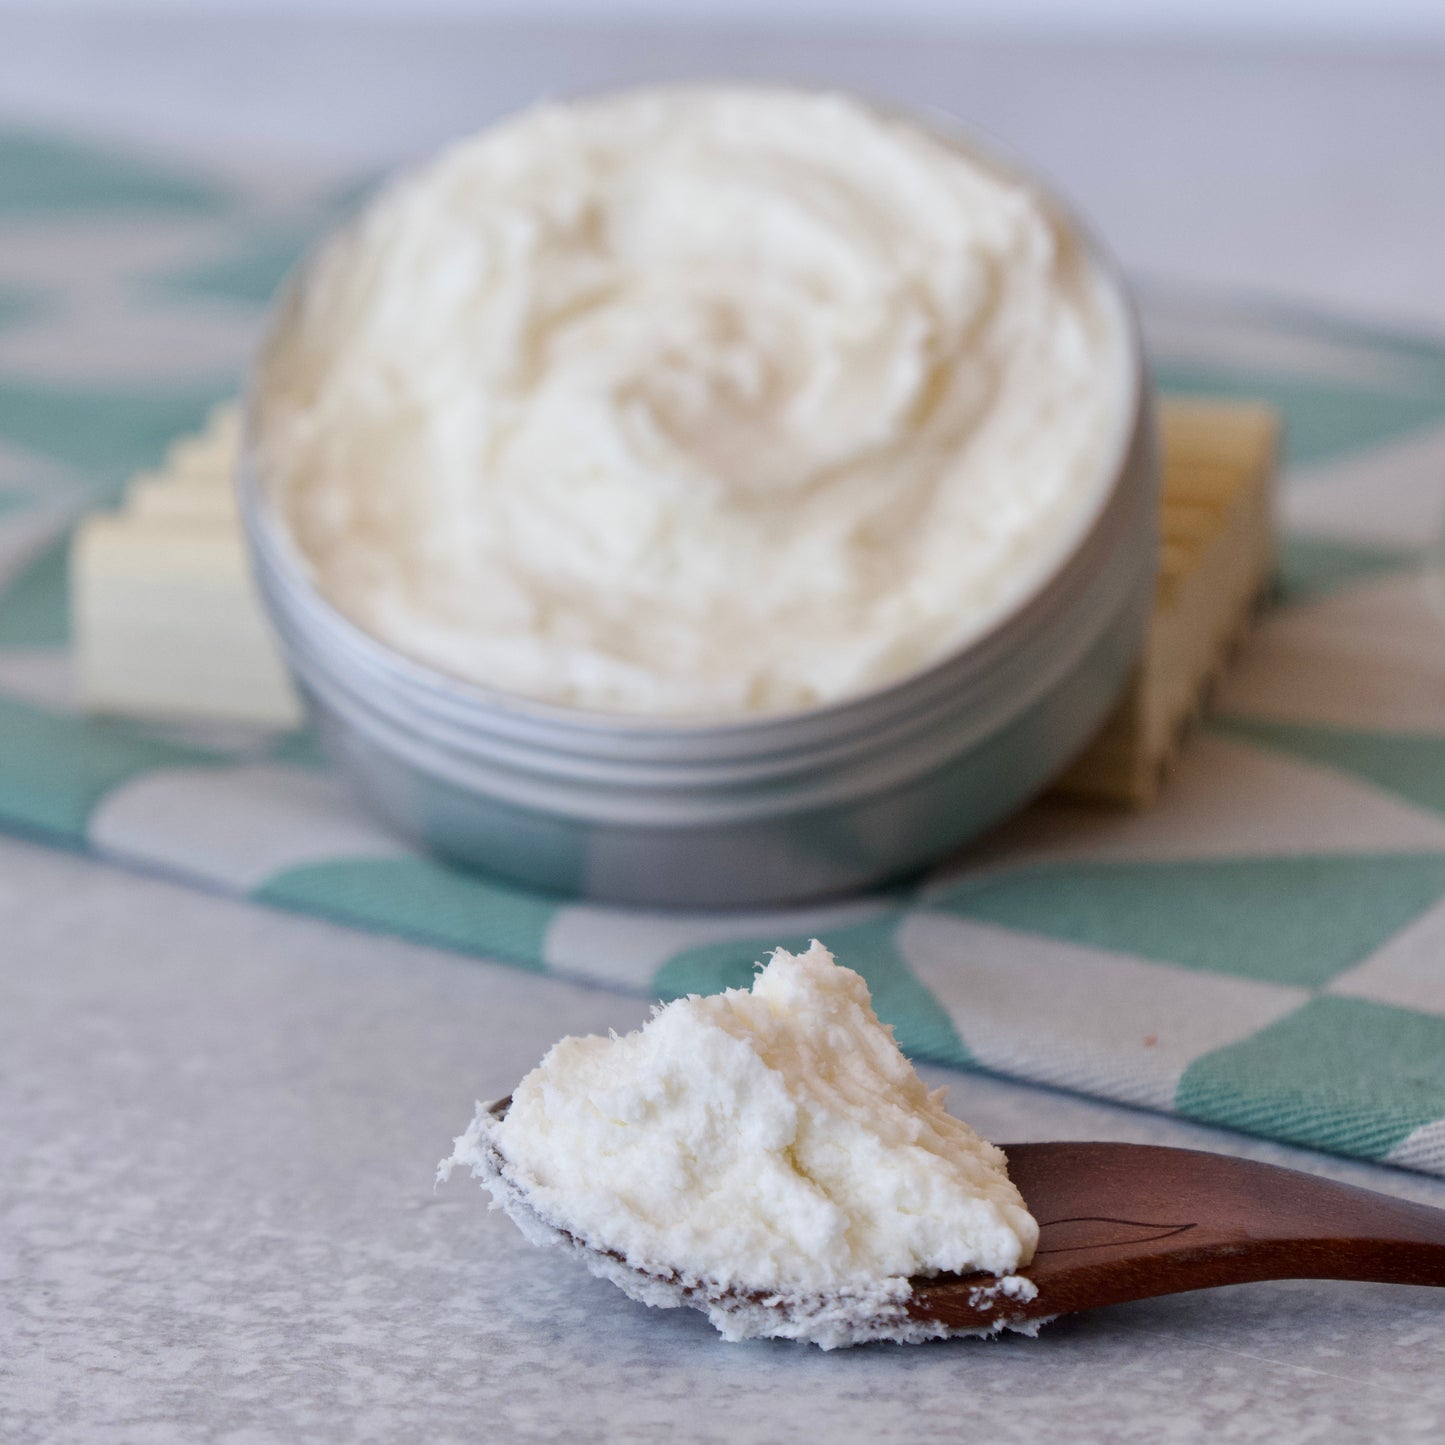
{"type": "Point", "coordinates": [1265, 949]}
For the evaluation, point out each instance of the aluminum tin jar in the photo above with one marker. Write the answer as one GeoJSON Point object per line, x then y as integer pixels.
{"type": "Point", "coordinates": [782, 808]}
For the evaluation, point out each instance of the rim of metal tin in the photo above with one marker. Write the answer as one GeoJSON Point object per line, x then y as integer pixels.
{"type": "Point", "coordinates": [641, 794]}
{"type": "Point", "coordinates": [534, 723]}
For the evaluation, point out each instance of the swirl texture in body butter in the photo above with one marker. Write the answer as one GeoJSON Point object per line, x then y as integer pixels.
{"type": "Point", "coordinates": [695, 402]}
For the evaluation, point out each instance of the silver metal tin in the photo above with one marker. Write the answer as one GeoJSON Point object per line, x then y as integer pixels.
{"type": "Point", "coordinates": [679, 813]}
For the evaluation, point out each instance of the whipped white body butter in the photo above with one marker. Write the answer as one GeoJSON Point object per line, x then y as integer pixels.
{"type": "Point", "coordinates": [768, 1156]}
{"type": "Point", "coordinates": [692, 402]}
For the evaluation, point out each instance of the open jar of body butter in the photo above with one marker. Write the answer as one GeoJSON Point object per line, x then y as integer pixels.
{"type": "Point", "coordinates": [704, 495]}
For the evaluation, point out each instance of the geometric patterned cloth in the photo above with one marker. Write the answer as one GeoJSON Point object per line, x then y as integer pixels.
{"type": "Point", "coordinates": [1265, 949]}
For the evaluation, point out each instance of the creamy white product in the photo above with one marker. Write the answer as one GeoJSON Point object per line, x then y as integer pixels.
{"type": "Point", "coordinates": [768, 1155]}
{"type": "Point", "coordinates": [694, 402]}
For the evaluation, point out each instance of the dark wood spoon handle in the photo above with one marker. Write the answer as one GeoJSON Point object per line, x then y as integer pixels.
{"type": "Point", "coordinates": [1130, 1221]}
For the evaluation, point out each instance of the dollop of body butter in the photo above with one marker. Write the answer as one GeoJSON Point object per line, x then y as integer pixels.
{"type": "Point", "coordinates": [767, 1155]}
{"type": "Point", "coordinates": [695, 402]}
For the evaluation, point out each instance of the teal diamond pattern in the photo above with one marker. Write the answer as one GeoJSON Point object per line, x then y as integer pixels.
{"type": "Point", "coordinates": [111, 431]}
{"type": "Point", "coordinates": [421, 899]}
{"type": "Point", "coordinates": [1409, 765]}
{"type": "Point", "coordinates": [245, 275]}
{"type": "Point", "coordinates": [1344, 1074]}
{"type": "Point", "coordinates": [21, 304]}
{"type": "Point", "coordinates": [55, 177]}
{"type": "Point", "coordinates": [1297, 921]}
{"type": "Point", "coordinates": [35, 608]}
{"type": "Point", "coordinates": [55, 768]}
{"type": "Point", "coordinates": [1324, 418]}
{"type": "Point", "coordinates": [1311, 567]}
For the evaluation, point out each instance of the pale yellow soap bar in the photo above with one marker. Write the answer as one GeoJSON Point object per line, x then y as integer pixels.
{"type": "Point", "coordinates": [1216, 561]}
{"type": "Point", "coordinates": [164, 613]}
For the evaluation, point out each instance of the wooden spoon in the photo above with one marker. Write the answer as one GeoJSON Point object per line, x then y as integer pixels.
{"type": "Point", "coordinates": [1122, 1222]}
{"type": "Point", "coordinates": [1131, 1221]}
